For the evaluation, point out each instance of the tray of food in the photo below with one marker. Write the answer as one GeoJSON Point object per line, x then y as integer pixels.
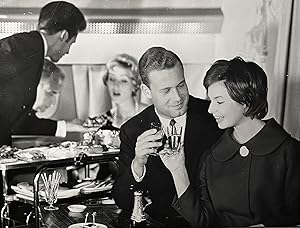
{"type": "Point", "coordinates": [98, 121]}
{"type": "Point", "coordinates": [31, 154]}
{"type": "Point", "coordinates": [8, 154]}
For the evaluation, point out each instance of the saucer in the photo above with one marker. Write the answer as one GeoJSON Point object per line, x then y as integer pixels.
{"type": "Point", "coordinates": [88, 225]}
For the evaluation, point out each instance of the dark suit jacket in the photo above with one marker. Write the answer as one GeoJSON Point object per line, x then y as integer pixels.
{"type": "Point", "coordinates": [260, 188]}
{"type": "Point", "coordinates": [201, 132]}
{"type": "Point", "coordinates": [21, 61]}
{"type": "Point", "coordinates": [30, 124]}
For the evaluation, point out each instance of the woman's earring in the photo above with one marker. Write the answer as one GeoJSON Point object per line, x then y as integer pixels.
{"type": "Point", "coordinates": [245, 108]}
{"type": "Point", "coordinates": [62, 34]}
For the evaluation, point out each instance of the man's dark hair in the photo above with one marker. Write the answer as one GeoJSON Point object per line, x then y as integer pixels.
{"type": "Point", "coordinates": [59, 15]}
{"type": "Point", "coordinates": [157, 58]}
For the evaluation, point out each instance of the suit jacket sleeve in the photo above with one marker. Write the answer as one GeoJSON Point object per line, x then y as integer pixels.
{"type": "Point", "coordinates": [195, 204]}
{"type": "Point", "coordinates": [30, 124]}
{"type": "Point", "coordinates": [291, 212]}
{"type": "Point", "coordinates": [21, 61]}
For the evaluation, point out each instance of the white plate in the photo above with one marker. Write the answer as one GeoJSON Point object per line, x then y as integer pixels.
{"type": "Point", "coordinates": [88, 225]}
{"type": "Point", "coordinates": [97, 189]}
{"type": "Point", "coordinates": [67, 193]}
{"type": "Point", "coordinates": [31, 154]}
{"type": "Point", "coordinates": [107, 201]}
{"type": "Point", "coordinates": [7, 160]}
{"type": "Point", "coordinates": [62, 192]}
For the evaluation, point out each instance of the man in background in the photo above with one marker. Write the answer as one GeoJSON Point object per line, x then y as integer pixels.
{"type": "Point", "coordinates": [164, 83]}
{"type": "Point", "coordinates": [50, 86]}
{"type": "Point", "coordinates": [48, 90]}
{"type": "Point", "coordinates": [21, 63]}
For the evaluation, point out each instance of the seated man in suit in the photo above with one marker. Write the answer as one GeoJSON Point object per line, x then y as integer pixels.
{"type": "Point", "coordinates": [50, 86]}
{"type": "Point", "coordinates": [164, 83]}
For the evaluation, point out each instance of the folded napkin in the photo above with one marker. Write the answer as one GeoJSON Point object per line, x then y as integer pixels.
{"type": "Point", "coordinates": [26, 190]}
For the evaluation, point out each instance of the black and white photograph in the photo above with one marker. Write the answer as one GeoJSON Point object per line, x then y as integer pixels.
{"type": "Point", "coordinates": [149, 113]}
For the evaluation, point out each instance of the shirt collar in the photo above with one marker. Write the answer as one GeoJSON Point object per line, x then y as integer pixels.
{"type": "Point", "coordinates": [165, 122]}
{"type": "Point", "coordinates": [264, 142]}
{"type": "Point", "coordinates": [45, 43]}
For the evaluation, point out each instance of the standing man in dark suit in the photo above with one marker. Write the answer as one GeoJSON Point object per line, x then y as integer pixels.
{"type": "Point", "coordinates": [163, 79]}
{"type": "Point", "coordinates": [21, 62]}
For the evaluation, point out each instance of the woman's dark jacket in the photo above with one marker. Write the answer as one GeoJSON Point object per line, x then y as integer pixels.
{"type": "Point", "coordinates": [261, 187]}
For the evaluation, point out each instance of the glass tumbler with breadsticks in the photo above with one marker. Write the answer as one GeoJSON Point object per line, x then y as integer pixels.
{"type": "Point", "coordinates": [51, 183]}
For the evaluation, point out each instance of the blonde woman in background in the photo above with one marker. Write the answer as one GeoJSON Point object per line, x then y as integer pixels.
{"type": "Point", "coordinates": [123, 83]}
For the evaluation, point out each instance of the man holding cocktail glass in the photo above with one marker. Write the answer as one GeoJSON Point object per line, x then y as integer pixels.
{"type": "Point", "coordinates": [177, 112]}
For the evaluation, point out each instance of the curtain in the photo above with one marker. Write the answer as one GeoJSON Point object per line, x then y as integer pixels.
{"type": "Point", "coordinates": [91, 95]}
{"type": "Point", "coordinates": [291, 114]}
{"type": "Point", "coordinates": [265, 43]}
{"type": "Point", "coordinates": [278, 77]}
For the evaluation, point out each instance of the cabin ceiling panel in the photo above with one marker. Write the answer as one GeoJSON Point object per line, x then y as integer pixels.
{"type": "Point", "coordinates": [124, 17]}
{"type": "Point", "coordinates": [117, 4]}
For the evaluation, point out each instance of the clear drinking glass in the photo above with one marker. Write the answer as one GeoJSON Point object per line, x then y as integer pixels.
{"type": "Point", "coordinates": [173, 140]}
{"type": "Point", "coordinates": [51, 189]}
{"type": "Point", "coordinates": [158, 127]}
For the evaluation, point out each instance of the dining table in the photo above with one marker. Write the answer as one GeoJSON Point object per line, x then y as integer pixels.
{"type": "Point", "coordinates": [22, 213]}
{"type": "Point", "coordinates": [40, 165]}
{"type": "Point", "coordinates": [109, 215]}
{"type": "Point", "coordinates": [105, 214]}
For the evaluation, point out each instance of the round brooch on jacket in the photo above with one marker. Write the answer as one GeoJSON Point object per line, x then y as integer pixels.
{"type": "Point", "coordinates": [244, 151]}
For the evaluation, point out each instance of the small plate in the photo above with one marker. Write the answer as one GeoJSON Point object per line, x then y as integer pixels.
{"type": "Point", "coordinates": [77, 208]}
{"type": "Point", "coordinates": [88, 225]}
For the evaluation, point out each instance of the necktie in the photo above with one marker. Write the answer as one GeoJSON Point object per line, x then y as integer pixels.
{"type": "Point", "coordinates": [172, 124]}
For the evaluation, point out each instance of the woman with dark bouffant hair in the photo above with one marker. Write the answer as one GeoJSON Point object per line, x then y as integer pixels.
{"type": "Point", "coordinates": [251, 175]}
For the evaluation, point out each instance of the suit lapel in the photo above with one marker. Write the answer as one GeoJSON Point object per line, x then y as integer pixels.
{"type": "Point", "coordinates": [192, 138]}
{"type": "Point", "coordinates": [149, 117]}
{"type": "Point", "coordinates": [189, 126]}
